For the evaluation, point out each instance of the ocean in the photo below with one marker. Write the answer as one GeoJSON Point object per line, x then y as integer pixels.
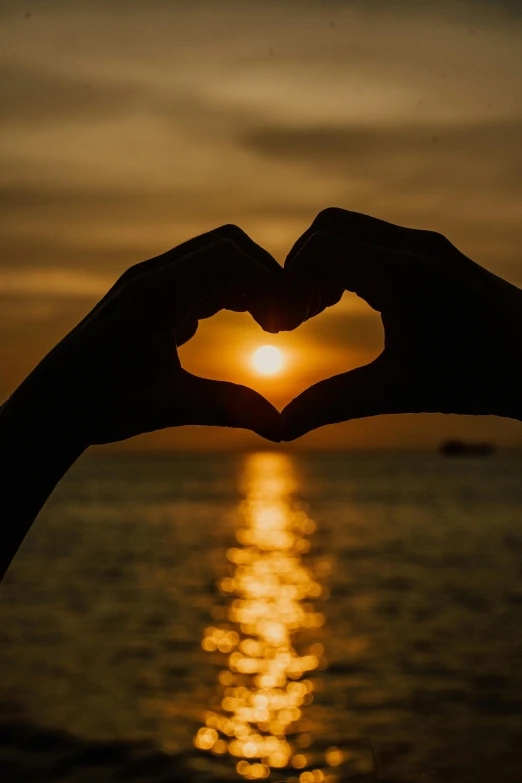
{"type": "Point", "coordinates": [268, 616]}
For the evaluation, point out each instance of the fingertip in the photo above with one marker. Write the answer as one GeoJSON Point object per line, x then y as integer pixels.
{"type": "Point", "coordinates": [226, 404]}
{"type": "Point", "coordinates": [366, 391]}
{"type": "Point", "coordinates": [325, 402]}
{"type": "Point", "coordinates": [287, 435]}
{"type": "Point", "coordinates": [295, 421]}
{"type": "Point", "coordinates": [293, 301]}
{"type": "Point", "coordinates": [271, 433]}
{"type": "Point", "coordinates": [267, 316]}
{"type": "Point", "coordinates": [267, 419]}
{"type": "Point", "coordinates": [186, 330]}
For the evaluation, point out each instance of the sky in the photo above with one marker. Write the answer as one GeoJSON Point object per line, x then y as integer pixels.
{"type": "Point", "coordinates": [128, 127]}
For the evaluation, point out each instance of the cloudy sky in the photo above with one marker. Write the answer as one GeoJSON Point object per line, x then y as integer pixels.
{"type": "Point", "coordinates": [127, 127]}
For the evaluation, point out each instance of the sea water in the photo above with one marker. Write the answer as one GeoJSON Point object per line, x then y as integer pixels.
{"type": "Point", "coordinates": [268, 616]}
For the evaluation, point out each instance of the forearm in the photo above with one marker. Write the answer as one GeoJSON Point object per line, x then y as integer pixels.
{"type": "Point", "coordinates": [506, 380]}
{"type": "Point", "coordinates": [511, 406]}
{"type": "Point", "coordinates": [35, 453]}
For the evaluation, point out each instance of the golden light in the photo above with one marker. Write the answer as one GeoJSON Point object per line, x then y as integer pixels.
{"type": "Point", "coordinates": [334, 757]}
{"type": "Point", "coordinates": [268, 360]}
{"type": "Point", "coordinates": [262, 690]}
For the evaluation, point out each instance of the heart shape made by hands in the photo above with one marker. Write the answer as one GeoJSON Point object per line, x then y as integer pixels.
{"type": "Point", "coordinates": [452, 329]}
{"type": "Point", "coordinates": [453, 335]}
{"type": "Point", "coordinates": [453, 344]}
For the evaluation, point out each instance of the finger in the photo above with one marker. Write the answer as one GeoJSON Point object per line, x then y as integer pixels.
{"type": "Point", "coordinates": [224, 404]}
{"type": "Point", "coordinates": [326, 266]}
{"type": "Point", "coordinates": [344, 223]}
{"type": "Point", "coordinates": [356, 228]}
{"type": "Point", "coordinates": [186, 330]}
{"type": "Point", "coordinates": [263, 309]}
{"type": "Point", "coordinates": [173, 292]}
{"type": "Point", "coordinates": [366, 391]}
{"type": "Point", "coordinates": [261, 303]}
{"type": "Point", "coordinates": [206, 309]}
{"type": "Point", "coordinates": [222, 300]}
{"type": "Point", "coordinates": [326, 295]}
{"type": "Point", "coordinates": [295, 299]}
{"type": "Point", "coordinates": [377, 274]}
{"type": "Point", "coordinates": [228, 233]}
{"type": "Point", "coordinates": [300, 298]}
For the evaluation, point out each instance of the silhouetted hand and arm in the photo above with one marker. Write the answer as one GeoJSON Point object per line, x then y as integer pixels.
{"type": "Point", "coordinates": [453, 330]}
{"type": "Point", "coordinates": [117, 374]}
{"type": "Point", "coordinates": [453, 344]}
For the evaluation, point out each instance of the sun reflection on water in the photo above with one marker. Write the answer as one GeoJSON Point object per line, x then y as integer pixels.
{"type": "Point", "coordinates": [266, 684]}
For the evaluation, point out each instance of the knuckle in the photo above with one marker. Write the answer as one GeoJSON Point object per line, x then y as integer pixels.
{"type": "Point", "coordinates": [435, 240]}
{"type": "Point", "coordinates": [137, 289]}
{"type": "Point", "coordinates": [232, 232]}
{"type": "Point", "coordinates": [330, 216]}
{"type": "Point", "coordinates": [325, 241]}
{"type": "Point", "coordinates": [314, 243]}
{"type": "Point", "coordinates": [434, 237]}
{"type": "Point", "coordinates": [127, 276]}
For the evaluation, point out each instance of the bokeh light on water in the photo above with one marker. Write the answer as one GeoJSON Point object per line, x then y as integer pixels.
{"type": "Point", "coordinates": [419, 562]}
{"type": "Point", "coordinates": [266, 641]}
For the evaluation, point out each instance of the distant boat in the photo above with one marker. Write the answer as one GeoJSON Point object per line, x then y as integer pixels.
{"type": "Point", "coordinates": [459, 448]}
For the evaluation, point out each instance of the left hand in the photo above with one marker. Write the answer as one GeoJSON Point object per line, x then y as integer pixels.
{"type": "Point", "coordinates": [117, 374]}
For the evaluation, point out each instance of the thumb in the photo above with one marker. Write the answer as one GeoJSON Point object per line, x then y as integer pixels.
{"type": "Point", "coordinates": [366, 391]}
{"type": "Point", "coordinates": [224, 404]}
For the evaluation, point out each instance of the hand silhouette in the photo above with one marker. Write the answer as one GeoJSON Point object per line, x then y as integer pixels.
{"type": "Point", "coordinates": [117, 374]}
{"type": "Point", "coordinates": [453, 330]}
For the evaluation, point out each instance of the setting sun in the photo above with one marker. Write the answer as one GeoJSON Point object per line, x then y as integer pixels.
{"type": "Point", "coordinates": [268, 360]}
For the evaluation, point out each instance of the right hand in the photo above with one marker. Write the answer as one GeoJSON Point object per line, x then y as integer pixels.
{"type": "Point", "coordinates": [453, 330]}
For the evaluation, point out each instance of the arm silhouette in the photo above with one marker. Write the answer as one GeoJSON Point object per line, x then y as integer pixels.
{"type": "Point", "coordinates": [453, 330]}
{"type": "Point", "coordinates": [117, 374]}
{"type": "Point", "coordinates": [453, 344]}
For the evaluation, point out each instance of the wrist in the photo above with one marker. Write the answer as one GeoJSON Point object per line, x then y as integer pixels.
{"type": "Point", "coordinates": [509, 408]}
{"type": "Point", "coordinates": [35, 452]}
{"type": "Point", "coordinates": [508, 401]}
{"type": "Point", "coordinates": [26, 428]}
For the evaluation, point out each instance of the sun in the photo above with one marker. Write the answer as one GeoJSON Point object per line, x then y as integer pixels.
{"type": "Point", "coordinates": [268, 360]}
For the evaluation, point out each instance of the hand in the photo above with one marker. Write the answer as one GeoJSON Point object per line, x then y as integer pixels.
{"type": "Point", "coordinates": [453, 330]}
{"type": "Point", "coordinates": [117, 374]}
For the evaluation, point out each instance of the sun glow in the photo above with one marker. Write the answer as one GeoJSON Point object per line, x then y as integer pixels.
{"type": "Point", "coordinates": [268, 360]}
